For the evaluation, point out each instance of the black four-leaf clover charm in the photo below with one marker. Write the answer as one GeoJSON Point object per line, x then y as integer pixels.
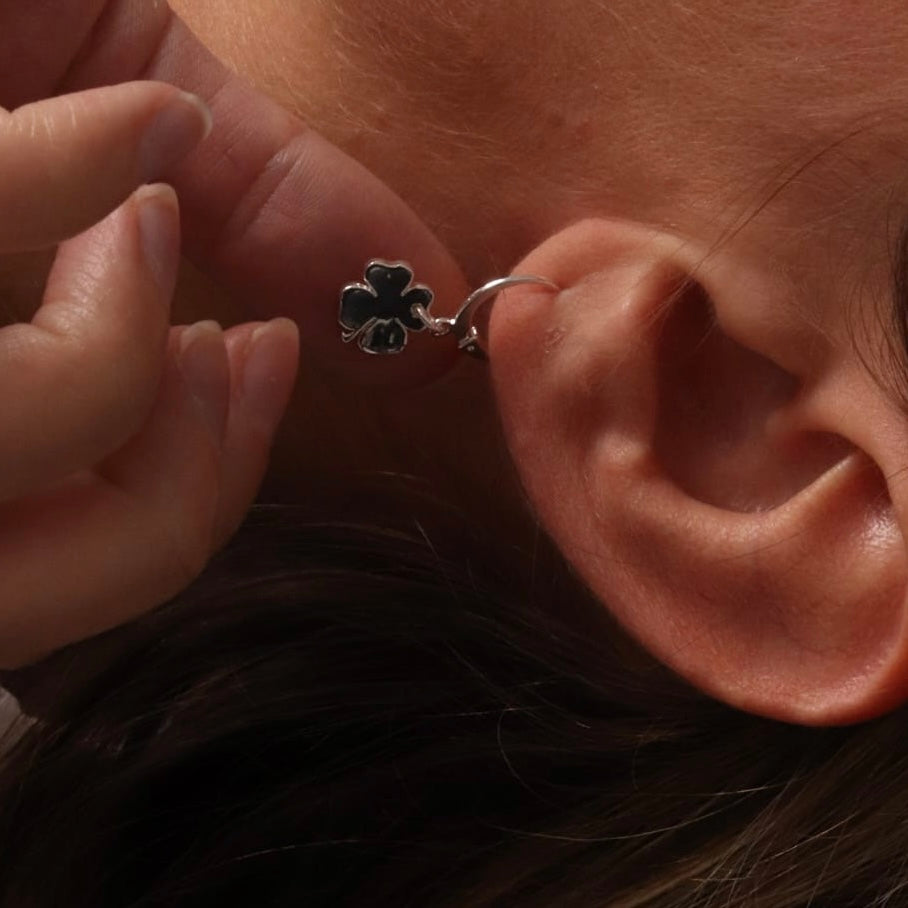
{"type": "Point", "coordinates": [379, 313]}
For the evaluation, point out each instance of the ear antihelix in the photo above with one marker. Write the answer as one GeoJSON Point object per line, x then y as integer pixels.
{"type": "Point", "coordinates": [726, 427]}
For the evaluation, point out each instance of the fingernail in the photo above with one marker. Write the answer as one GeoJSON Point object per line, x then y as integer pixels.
{"type": "Point", "coordinates": [265, 384]}
{"type": "Point", "coordinates": [203, 365]}
{"type": "Point", "coordinates": [159, 227]}
{"type": "Point", "coordinates": [174, 132]}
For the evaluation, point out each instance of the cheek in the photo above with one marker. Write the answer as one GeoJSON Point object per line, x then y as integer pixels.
{"type": "Point", "coordinates": [833, 27]}
{"type": "Point", "coordinates": [277, 46]}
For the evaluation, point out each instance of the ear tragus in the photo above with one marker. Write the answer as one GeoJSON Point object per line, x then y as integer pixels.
{"type": "Point", "coordinates": [683, 470]}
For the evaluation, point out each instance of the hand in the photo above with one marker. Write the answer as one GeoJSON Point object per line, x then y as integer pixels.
{"type": "Point", "coordinates": [268, 208]}
{"type": "Point", "coordinates": [131, 450]}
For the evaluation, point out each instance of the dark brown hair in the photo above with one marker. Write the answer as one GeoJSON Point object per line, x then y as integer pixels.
{"type": "Point", "coordinates": [340, 715]}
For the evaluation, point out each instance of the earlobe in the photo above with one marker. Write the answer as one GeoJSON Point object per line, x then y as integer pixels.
{"type": "Point", "coordinates": [718, 482]}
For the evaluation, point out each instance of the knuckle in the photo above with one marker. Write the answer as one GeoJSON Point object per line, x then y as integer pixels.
{"type": "Point", "coordinates": [38, 127]}
{"type": "Point", "coordinates": [123, 372]}
{"type": "Point", "coordinates": [190, 541]}
{"type": "Point", "coordinates": [93, 378]}
{"type": "Point", "coordinates": [257, 204]}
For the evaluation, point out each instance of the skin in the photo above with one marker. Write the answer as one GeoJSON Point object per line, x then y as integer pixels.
{"type": "Point", "coordinates": [775, 129]}
{"type": "Point", "coordinates": [691, 123]}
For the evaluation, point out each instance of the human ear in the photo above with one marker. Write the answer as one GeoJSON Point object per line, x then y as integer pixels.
{"type": "Point", "coordinates": [722, 474]}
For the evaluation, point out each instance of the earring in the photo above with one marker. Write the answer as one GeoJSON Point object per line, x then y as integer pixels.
{"type": "Point", "coordinates": [380, 313]}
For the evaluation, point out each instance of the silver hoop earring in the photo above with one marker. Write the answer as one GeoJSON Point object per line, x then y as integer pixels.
{"type": "Point", "coordinates": [380, 313]}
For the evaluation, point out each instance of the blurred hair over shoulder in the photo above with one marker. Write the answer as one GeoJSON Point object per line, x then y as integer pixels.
{"type": "Point", "coordinates": [345, 714]}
